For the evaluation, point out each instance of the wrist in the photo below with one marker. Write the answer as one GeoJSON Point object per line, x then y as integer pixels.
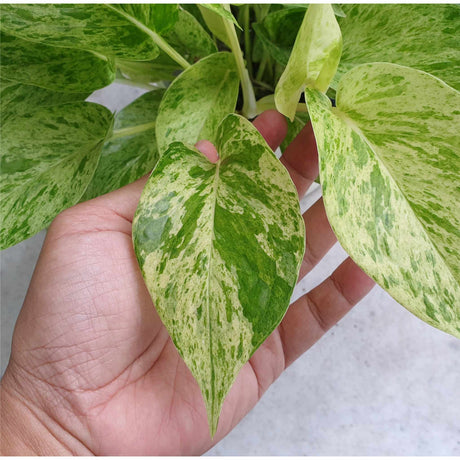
{"type": "Point", "coordinates": [27, 430]}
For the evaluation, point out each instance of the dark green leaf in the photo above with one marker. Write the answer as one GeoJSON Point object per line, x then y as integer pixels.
{"type": "Point", "coordinates": [278, 32]}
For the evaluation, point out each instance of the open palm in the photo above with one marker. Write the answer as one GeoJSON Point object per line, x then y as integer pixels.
{"type": "Point", "coordinates": [92, 358]}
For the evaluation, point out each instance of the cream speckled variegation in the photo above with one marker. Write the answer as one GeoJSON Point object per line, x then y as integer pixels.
{"type": "Point", "coordinates": [314, 58]}
{"type": "Point", "coordinates": [48, 158]}
{"type": "Point", "coordinates": [197, 101]}
{"type": "Point", "coordinates": [422, 36]}
{"type": "Point", "coordinates": [389, 166]}
{"type": "Point", "coordinates": [220, 246]}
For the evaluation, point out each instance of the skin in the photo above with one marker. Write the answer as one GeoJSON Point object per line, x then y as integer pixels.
{"type": "Point", "coordinates": [92, 368]}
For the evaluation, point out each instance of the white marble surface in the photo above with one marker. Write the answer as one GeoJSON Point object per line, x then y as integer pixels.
{"type": "Point", "coordinates": [381, 382]}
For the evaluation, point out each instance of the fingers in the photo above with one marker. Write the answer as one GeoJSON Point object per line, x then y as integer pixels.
{"type": "Point", "coordinates": [273, 127]}
{"type": "Point", "coordinates": [301, 159]}
{"type": "Point", "coordinates": [314, 313]}
{"type": "Point", "coordinates": [319, 237]}
{"type": "Point", "coordinates": [207, 148]}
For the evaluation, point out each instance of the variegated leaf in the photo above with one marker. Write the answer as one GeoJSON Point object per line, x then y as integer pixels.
{"type": "Point", "coordinates": [17, 99]}
{"type": "Point", "coordinates": [131, 151]}
{"type": "Point", "coordinates": [158, 17]}
{"type": "Point", "coordinates": [220, 246]}
{"type": "Point", "coordinates": [189, 38]}
{"type": "Point", "coordinates": [96, 27]}
{"type": "Point", "coordinates": [314, 58]}
{"type": "Point", "coordinates": [58, 69]}
{"type": "Point", "coordinates": [197, 101]}
{"type": "Point", "coordinates": [389, 164]}
{"type": "Point", "coordinates": [47, 160]}
{"type": "Point", "coordinates": [425, 37]}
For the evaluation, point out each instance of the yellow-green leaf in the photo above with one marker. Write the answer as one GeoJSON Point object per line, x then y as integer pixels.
{"type": "Point", "coordinates": [314, 58]}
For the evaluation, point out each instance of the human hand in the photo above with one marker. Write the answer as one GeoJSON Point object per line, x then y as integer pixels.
{"type": "Point", "coordinates": [93, 369]}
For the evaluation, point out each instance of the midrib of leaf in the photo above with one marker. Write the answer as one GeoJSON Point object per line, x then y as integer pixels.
{"type": "Point", "coordinates": [130, 130]}
{"type": "Point", "coordinates": [213, 419]}
{"type": "Point", "coordinates": [349, 122]}
{"type": "Point", "coordinates": [163, 44]}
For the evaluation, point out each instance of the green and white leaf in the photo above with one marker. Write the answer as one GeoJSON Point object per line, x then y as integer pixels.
{"type": "Point", "coordinates": [131, 151]}
{"type": "Point", "coordinates": [47, 160]}
{"type": "Point", "coordinates": [95, 27]}
{"type": "Point", "coordinates": [189, 38]}
{"type": "Point", "coordinates": [220, 246]}
{"type": "Point", "coordinates": [423, 36]}
{"type": "Point", "coordinates": [58, 69]}
{"type": "Point", "coordinates": [197, 101]}
{"type": "Point", "coordinates": [389, 163]}
{"type": "Point", "coordinates": [314, 58]}
{"type": "Point", "coordinates": [17, 99]}
{"type": "Point", "coordinates": [158, 17]}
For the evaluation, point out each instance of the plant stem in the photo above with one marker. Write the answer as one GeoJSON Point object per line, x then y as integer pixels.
{"type": "Point", "coordinates": [247, 39]}
{"type": "Point", "coordinates": [162, 44]}
{"type": "Point", "coordinates": [249, 99]}
{"type": "Point", "coordinates": [117, 133]}
{"type": "Point", "coordinates": [261, 69]}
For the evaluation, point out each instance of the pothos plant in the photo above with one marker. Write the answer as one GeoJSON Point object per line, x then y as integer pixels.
{"type": "Point", "coordinates": [219, 245]}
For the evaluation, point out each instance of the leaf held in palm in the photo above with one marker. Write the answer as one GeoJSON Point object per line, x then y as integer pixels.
{"type": "Point", "coordinates": [220, 246]}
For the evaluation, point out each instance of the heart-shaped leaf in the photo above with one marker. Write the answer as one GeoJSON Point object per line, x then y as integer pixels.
{"type": "Point", "coordinates": [425, 37]}
{"type": "Point", "coordinates": [47, 160]}
{"type": "Point", "coordinates": [314, 58]}
{"type": "Point", "coordinates": [389, 164]}
{"type": "Point", "coordinates": [58, 69]}
{"type": "Point", "coordinates": [197, 101]}
{"type": "Point", "coordinates": [131, 151]}
{"type": "Point", "coordinates": [220, 246]}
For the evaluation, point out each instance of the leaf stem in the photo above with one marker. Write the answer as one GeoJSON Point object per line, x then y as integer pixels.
{"type": "Point", "coordinates": [123, 132]}
{"type": "Point", "coordinates": [162, 44]}
{"type": "Point", "coordinates": [247, 39]}
{"type": "Point", "coordinates": [249, 99]}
